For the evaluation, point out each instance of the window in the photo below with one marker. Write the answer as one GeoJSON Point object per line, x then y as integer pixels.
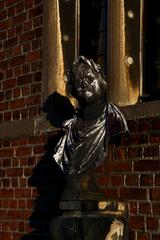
{"type": "Point", "coordinates": [121, 35]}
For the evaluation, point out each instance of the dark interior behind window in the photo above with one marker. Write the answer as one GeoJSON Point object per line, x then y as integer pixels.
{"type": "Point", "coordinates": [151, 80]}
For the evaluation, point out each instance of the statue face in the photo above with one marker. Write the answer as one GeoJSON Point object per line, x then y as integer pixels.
{"type": "Point", "coordinates": [87, 87]}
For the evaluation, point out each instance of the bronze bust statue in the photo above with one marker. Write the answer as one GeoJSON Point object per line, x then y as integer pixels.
{"type": "Point", "coordinates": [95, 123]}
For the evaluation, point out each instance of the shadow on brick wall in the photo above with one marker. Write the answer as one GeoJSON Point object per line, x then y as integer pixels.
{"type": "Point", "coordinates": [49, 181]}
{"type": "Point", "coordinates": [47, 176]}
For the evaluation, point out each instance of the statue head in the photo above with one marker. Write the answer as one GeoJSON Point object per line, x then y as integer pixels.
{"type": "Point", "coordinates": [86, 81]}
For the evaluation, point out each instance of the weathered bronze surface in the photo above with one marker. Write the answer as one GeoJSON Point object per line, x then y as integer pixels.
{"type": "Point", "coordinates": [95, 123]}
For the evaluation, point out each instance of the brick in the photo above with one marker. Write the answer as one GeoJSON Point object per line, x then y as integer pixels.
{"type": "Point", "coordinates": [20, 18]}
{"type": "Point", "coordinates": [9, 73]}
{"type": "Point", "coordinates": [156, 236]}
{"type": "Point", "coordinates": [19, 103]}
{"type": "Point", "coordinates": [27, 26]}
{"type": "Point", "coordinates": [35, 11]}
{"type": "Point", "coordinates": [26, 47]}
{"type": "Point", "coordinates": [33, 112]}
{"type": "Point", "coordinates": [136, 222]}
{"type": "Point", "coordinates": [4, 106]}
{"type": "Point", "coordinates": [111, 193]}
{"type": "Point", "coordinates": [36, 44]}
{"type": "Point", "coordinates": [36, 66]}
{"type": "Point", "coordinates": [33, 56]}
{"type": "Point", "coordinates": [3, 35]}
{"type": "Point", "coordinates": [157, 180]}
{"type": "Point", "coordinates": [37, 22]}
{"type": "Point", "coordinates": [12, 33]}
{"type": "Point", "coordinates": [15, 172]}
{"type": "Point", "coordinates": [147, 165]}
{"type": "Point", "coordinates": [20, 7]}
{"type": "Point", "coordinates": [8, 95]}
{"type": "Point", "coordinates": [6, 193]}
{"type": "Point", "coordinates": [23, 151]}
{"type": "Point", "coordinates": [35, 88]}
{"type": "Point", "coordinates": [7, 116]}
{"type": "Point", "coordinates": [15, 183]}
{"type": "Point", "coordinates": [1, 75]}
{"type": "Point", "coordinates": [28, 36]}
{"type": "Point", "coordinates": [133, 208]}
{"type": "Point", "coordinates": [26, 90]}
{"type": "Point", "coordinates": [145, 208]}
{"type": "Point", "coordinates": [6, 143]}
{"type": "Point", "coordinates": [18, 71]}
{"type": "Point", "coordinates": [10, 2]}
{"type": "Point", "coordinates": [22, 193]}
{"type": "Point", "coordinates": [16, 115]}
{"type": "Point", "coordinates": [32, 140]}
{"type": "Point", "coordinates": [131, 180]}
{"type": "Point", "coordinates": [4, 65]}
{"type": "Point", "coordinates": [133, 193]}
{"type": "Point", "coordinates": [116, 180]}
{"type": "Point", "coordinates": [119, 167]}
{"type": "Point", "coordinates": [26, 79]}
{"type": "Point", "coordinates": [132, 125]}
{"type": "Point", "coordinates": [17, 92]}
{"type": "Point", "coordinates": [2, 173]}
{"type": "Point", "coordinates": [4, 24]}
{"type": "Point", "coordinates": [3, 15]}
{"type": "Point", "coordinates": [146, 180]}
{"type": "Point", "coordinates": [26, 69]}
{"type": "Point", "coordinates": [11, 42]}
{"type": "Point", "coordinates": [102, 180]}
{"type": "Point", "coordinates": [2, 4]}
{"type": "Point", "coordinates": [28, 172]}
{"type": "Point", "coordinates": [151, 151]}
{"type": "Point", "coordinates": [22, 203]}
{"type": "Point", "coordinates": [134, 152]}
{"type": "Point", "coordinates": [143, 236]}
{"type": "Point", "coordinates": [10, 84]}
{"type": "Point", "coordinates": [17, 50]}
{"type": "Point", "coordinates": [155, 194]}
{"type": "Point", "coordinates": [14, 214]}
{"type": "Point", "coordinates": [17, 61]}
{"type": "Point", "coordinates": [155, 137]}
{"type": "Point", "coordinates": [6, 163]}
{"type": "Point", "coordinates": [28, 4]}
{"type": "Point", "coordinates": [33, 100]}
{"type": "Point", "coordinates": [120, 153]}
{"type": "Point", "coordinates": [144, 125]}
{"type": "Point", "coordinates": [156, 209]}
{"type": "Point", "coordinates": [23, 182]}
{"type": "Point", "coordinates": [152, 223]}
{"type": "Point", "coordinates": [6, 183]}
{"type": "Point", "coordinates": [155, 123]}
{"type": "Point", "coordinates": [19, 29]}
{"type": "Point", "coordinates": [37, 76]}
{"type": "Point", "coordinates": [11, 11]}
{"type": "Point", "coordinates": [24, 113]}
{"type": "Point", "coordinates": [5, 236]}
{"type": "Point", "coordinates": [1, 96]}
{"type": "Point", "coordinates": [2, 55]}
{"type": "Point", "coordinates": [38, 32]}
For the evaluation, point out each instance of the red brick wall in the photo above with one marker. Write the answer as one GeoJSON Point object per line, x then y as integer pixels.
{"type": "Point", "coordinates": [27, 173]}
{"type": "Point", "coordinates": [20, 59]}
{"type": "Point", "coordinates": [132, 174]}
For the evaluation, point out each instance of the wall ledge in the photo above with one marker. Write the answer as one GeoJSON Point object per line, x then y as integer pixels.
{"type": "Point", "coordinates": [142, 110]}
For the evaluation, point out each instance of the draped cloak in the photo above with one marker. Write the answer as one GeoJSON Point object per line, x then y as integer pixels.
{"type": "Point", "coordinates": [85, 142]}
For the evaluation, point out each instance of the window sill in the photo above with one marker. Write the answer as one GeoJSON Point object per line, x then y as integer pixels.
{"type": "Point", "coordinates": [142, 110]}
